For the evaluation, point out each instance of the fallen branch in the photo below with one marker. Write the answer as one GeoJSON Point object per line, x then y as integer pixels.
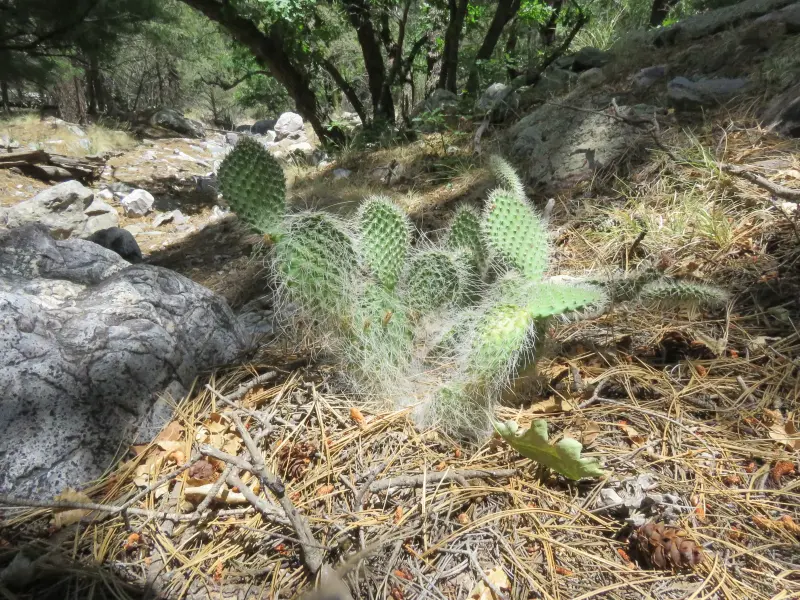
{"type": "Point", "coordinates": [781, 191]}
{"type": "Point", "coordinates": [405, 481]}
{"type": "Point", "coordinates": [44, 165]}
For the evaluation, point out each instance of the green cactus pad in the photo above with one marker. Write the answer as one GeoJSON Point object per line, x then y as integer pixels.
{"type": "Point", "coordinates": [546, 300]}
{"type": "Point", "coordinates": [514, 231]}
{"type": "Point", "coordinates": [315, 261]}
{"type": "Point", "coordinates": [668, 293]}
{"type": "Point", "coordinates": [432, 280]}
{"type": "Point", "coordinates": [506, 176]}
{"type": "Point", "coordinates": [385, 236]}
{"type": "Point", "coordinates": [252, 182]}
{"type": "Point", "coordinates": [502, 334]}
{"type": "Point", "coordinates": [465, 234]}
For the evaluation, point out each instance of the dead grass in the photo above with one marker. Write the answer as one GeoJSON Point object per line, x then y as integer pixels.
{"type": "Point", "coordinates": [64, 138]}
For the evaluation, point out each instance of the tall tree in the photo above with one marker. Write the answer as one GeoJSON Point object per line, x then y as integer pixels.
{"type": "Point", "coordinates": [506, 10]}
{"type": "Point", "coordinates": [448, 77]}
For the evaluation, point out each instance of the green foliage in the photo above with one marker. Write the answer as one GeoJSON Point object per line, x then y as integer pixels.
{"type": "Point", "coordinates": [252, 182]}
{"type": "Point", "coordinates": [516, 233]}
{"type": "Point", "coordinates": [563, 457]}
{"type": "Point", "coordinates": [385, 239]}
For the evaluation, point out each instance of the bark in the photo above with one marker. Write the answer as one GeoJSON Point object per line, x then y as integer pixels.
{"type": "Point", "coordinates": [346, 88]}
{"type": "Point", "coordinates": [506, 10]}
{"type": "Point", "coordinates": [449, 73]}
{"type": "Point", "coordinates": [4, 97]}
{"type": "Point", "coordinates": [548, 31]}
{"type": "Point", "coordinates": [511, 46]}
{"type": "Point", "coordinates": [660, 10]}
{"type": "Point", "coordinates": [396, 56]}
{"type": "Point", "coordinates": [359, 16]}
{"type": "Point", "coordinates": [269, 50]}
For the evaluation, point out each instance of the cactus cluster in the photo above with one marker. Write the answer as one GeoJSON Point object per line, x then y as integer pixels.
{"type": "Point", "coordinates": [442, 327]}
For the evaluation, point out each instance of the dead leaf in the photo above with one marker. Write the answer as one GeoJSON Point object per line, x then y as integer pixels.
{"type": "Point", "coordinates": [782, 431]}
{"type": "Point", "coordinates": [218, 572]}
{"type": "Point", "coordinates": [132, 542]}
{"type": "Point", "coordinates": [171, 433]}
{"type": "Point", "coordinates": [482, 591]}
{"type": "Point", "coordinates": [791, 173]}
{"type": "Point", "coordinates": [232, 444]}
{"type": "Point", "coordinates": [216, 423]}
{"type": "Point", "coordinates": [403, 575]}
{"type": "Point", "coordinates": [170, 446]}
{"type": "Point", "coordinates": [202, 470]}
{"type": "Point", "coordinates": [62, 518]}
{"type": "Point", "coordinates": [359, 419]}
{"type": "Point", "coordinates": [589, 433]}
{"type": "Point", "coordinates": [636, 438]}
{"type": "Point", "coordinates": [178, 457]}
{"type": "Point", "coordinates": [554, 404]}
{"type": "Point", "coordinates": [463, 519]}
{"type": "Point", "coordinates": [564, 571]}
{"type": "Point", "coordinates": [398, 514]}
{"type": "Point", "coordinates": [324, 490]}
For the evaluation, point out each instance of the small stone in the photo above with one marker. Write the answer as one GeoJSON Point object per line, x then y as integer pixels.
{"type": "Point", "coordinates": [231, 138]}
{"type": "Point", "coordinates": [105, 195]}
{"type": "Point", "coordinates": [341, 173]}
{"type": "Point", "coordinates": [175, 217]}
{"type": "Point", "coordinates": [287, 124]}
{"type": "Point", "coordinates": [648, 76]}
{"type": "Point", "coordinates": [592, 78]}
{"type": "Point", "coordinates": [138, 203]}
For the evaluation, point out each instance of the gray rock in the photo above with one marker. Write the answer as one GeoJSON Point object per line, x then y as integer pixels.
{"type": "Point", "coordinates": [341, 173]}
{"type": "Point", "coordinates": [175, 217]}
{"type": "Point", "coordinates": [264, 125]}
{"type": "Point", "coordinates": [207, 185]}
{"type": "Point", "coordinates": [494, 95]}
{"type": "Point", "coordinates": [173, 120]}
{"type": "Point", "coordinates": [87, 344]}
{"type": "Point", "coordinates": [553, 82]}
{"type": "Point", "coordinates": [105, 195]}
{"type": "Point", "coordinates": [288, 124]}
{"type": "Point", "coordinates": [714, 21]}
{"type": "Point", "coordinates": [559, 148]}
{"type": "Point", "coordinates": [231, 138]}
{"type": "Point", "coordinates": [137, 203]}
{"type": "Point", "coordinates": [685, 94]}
{"type": "Point", "coordinates": [783, 113]}
{"type": "Point", "coordinates": [649, 76]}
{"type": "Point", "coordinates": [61, 208]}
{"type": "Point", "coordinates": [100, 216]}
{"type": "Point", "coordinates": [592, 78]}
{"type": "Point", "coordinates": [303, 148]}
{"type": "Point", "coordinates": [441, 99]}
{"type": "Point", "coordinates": [120, 241]}
{"type": "Point", "coordinates": [590, 58]}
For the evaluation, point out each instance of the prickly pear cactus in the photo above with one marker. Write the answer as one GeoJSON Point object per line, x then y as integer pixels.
{"type": "Point", "coordinates": [252, 183]}
{"type": "Point", "coordinates": [465, 234]}
{"type": "Point", "coordinates": [515, 232]}
{"type": "Point", "coordinates": [506, 176]}
{"type": "Point", "coordinates": [315, 262]}
{"type": "Point", "coordinates": [668, 293]}
{"type": "Point", "coordinates": [385, 236]}
{"type": "Point", "coordinates": [432, 280]}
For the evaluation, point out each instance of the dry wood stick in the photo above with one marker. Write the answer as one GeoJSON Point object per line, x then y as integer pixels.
{"type": "Point", "coordinates": [419, 480]}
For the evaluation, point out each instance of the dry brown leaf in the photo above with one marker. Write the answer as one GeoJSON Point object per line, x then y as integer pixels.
{"type": "Point", "coordinates": [398, 514]}
{"type": "Point", "coordinates": [178, 457]}
{"type": "Point", "coordinates": [171, 433]}
{"type": "Point", "coordinates": [170, 446]}
{"type": "Point", "coordinates": [232, 444]}
{"type": "Point", "coordinates": [589, 433]}
{"type": "Point", "coordinates": [636, 438]}
{"type": "Point", "coordinates": [202, 470]}
{"type": "Point", "coordinates": [782, 431]}
{"type": "Point", "coordinates": [554, 404]}
{"type": "Point", "coordinates": [132, 542]}
{"type": "Point", "coordinates": [324, 489]}
{"type": "Point", "coordinates": [482, 591]}
{"type": "Point", "coordinates": [359, 419]}
{"type": "Point", "coordinates": [216, 423]}
{"type": "Point", "coordinates": [62, 518]}
{"type": "Point", "coordinates": [403, 575]}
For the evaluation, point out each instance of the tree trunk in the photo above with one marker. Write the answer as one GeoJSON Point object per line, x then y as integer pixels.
{"type": "Point", "coordinates": [346, 88]}
{"type": "Point", "coordinates": [359, 16]}
{"type": "Point", "coordinates": [547, 31]}
{"type": "Point", "coordinates": [268, 50]}
{"type": "Point", "coordinates": [4, 97]}
{"type": "Point", "coordinates": [511, 46]}
{"type": "Point", "coordinates": [660, 10]}
{"type": "Point", "coordinates": [449, 73]}
{"type": "Point", "coordinates": [506, 10]}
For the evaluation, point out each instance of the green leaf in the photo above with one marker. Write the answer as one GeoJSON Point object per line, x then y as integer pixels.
{"type": "Point", "coordinates": [563, 457]}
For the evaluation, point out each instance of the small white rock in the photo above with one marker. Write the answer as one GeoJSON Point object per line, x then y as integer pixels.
{"type": "Point", "coordinates": [341, 173]}
{"type": "Point", "coordinates": [138, 203]}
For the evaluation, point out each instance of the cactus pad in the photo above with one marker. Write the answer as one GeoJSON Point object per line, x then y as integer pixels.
{"type": "Point", "coordinates": [252, 182]}
{"type": "Point", "coordinates": [432, 280]}
{"type": "Point", "coordinates": [385, 235]}
{"type": "Point", "coordinates": [465, 234]}
{"type": "Point", "coordinates": [506, 176]}
{"type": "Point", "coordinates": [515, 232]}
{"type": "Point", "coordinates": [315, 261]}
{"type": "Point", "coordinates": [668, 293]}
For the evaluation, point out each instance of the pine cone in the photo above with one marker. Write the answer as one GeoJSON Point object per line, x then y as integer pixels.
{"type": "Point", "coordinates": [665, 547]}
{"type": "Point", "coordinates": [295, 459]}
